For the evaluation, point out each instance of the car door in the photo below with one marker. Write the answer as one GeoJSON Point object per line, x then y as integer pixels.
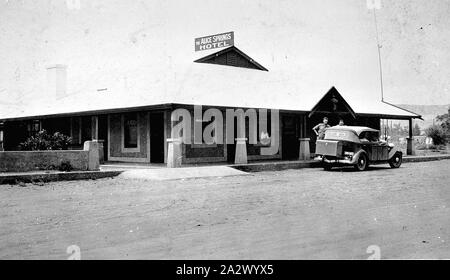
{"type": "Point", "coordinates": [372, 150]}
{"type": "Point", "coordinates": [383, 152]}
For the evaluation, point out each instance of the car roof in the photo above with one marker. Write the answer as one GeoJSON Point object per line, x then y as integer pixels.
{"type": "Point", "coordinates": [357, 129]}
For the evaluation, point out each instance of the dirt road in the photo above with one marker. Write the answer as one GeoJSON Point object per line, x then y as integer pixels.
{"type": "Point", "coordinates": [293, 214]}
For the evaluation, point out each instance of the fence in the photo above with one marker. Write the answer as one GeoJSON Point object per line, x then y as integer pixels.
{"type": "Point", "coordinates": [24, 161]}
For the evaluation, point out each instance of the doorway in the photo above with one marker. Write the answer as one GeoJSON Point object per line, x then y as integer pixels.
{"type": "Point", "coordinates": [290, 143]}
{"type": "Point", "coordinates": [103, 134]}
{"type": "Point", "coordinates": [231, 147]}
{"type": "Point", "coordinates": [157, 140]}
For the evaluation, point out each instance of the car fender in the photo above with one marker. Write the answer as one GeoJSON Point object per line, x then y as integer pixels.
{"type": "Point", "coordinates": [393, 152]}
{"type": "Point", "coordinates": [356, 156]}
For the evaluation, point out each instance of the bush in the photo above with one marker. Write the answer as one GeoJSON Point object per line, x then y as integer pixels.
{"type": "Point", "coordinates": [65, 166]}
{"type": "Point", "coordinates": [423, 147]}
{"type": "Point", "coordinates": [437, 134]}
{"type": "Point", "coordinates": [43, 141]}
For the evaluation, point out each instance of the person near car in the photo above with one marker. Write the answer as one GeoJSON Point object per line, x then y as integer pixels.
{"type": "Point", "coordinates": [319, 129]}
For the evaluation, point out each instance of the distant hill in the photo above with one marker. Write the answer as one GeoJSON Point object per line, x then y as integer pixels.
{"type": "Point", "coordinates": [428, 112]}
{"type": "Point", "coordinates": [426, 109]}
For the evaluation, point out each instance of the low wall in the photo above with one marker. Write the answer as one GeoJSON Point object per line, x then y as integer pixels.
{"type": "Point", "coordinates": [24, 161]}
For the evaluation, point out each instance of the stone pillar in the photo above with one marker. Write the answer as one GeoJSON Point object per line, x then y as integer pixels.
{"type": "Point", "coordinates": [410, 147]}
{"type": "Point", "coordinates": [101, 151]}
{"type": "Point", "coordinates": [304, 152]}
{"type": "Point", "coordinates": [93, 159]}
{"type": "Point", "coordinates": [241, 151]}
{"type": "Point", "coordinates": [174, 153]}
{"type": "Point", "coordinates": [94, 129]}
{"type": "Point", "coordinates": [1, 140]}
{"type": "Point", "coordinates": [2, 135]}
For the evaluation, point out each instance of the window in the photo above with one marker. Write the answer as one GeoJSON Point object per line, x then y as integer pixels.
{"type": "Point", "coordinates": [130, 130]}
{"type": "Point", "coordinates": [34, 127]}
{"type": "Point", "coordinates": [369, 136]}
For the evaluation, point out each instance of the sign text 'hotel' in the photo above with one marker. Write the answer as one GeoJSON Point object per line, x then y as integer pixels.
{"type": "Point", "coordinates": [214, 42]}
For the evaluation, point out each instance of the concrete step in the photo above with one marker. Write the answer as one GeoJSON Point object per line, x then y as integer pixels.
{"type": "Point", "coordinates": [163, 174]}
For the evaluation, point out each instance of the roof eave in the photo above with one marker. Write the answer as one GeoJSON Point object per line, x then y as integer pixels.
{"type": "Point", "coordinates": [390, 116]}
{"type": "Point", "coordinates": [92, 112]}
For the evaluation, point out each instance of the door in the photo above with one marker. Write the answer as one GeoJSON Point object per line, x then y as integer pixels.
{"type": "Point", "coordinates": [157, 140]}
{"type": "Point", "coordinates": [290, 143]}
{"type": "Point", "coordinates": [231, 147]}
{"type": "Point", "coordinates": [103, 134]}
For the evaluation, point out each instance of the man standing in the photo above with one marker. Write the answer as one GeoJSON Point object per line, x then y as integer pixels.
{"type": "Point", "coordinates": [319, 129]}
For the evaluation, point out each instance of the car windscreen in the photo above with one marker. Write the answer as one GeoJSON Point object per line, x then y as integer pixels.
{"type": "Point", "coordinates": [338, 134]}
{"type": "Point", "coordinates": [369, 136]}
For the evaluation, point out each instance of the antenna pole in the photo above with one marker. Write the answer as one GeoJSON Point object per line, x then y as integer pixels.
{"type": "Point", "coordinates": [379, 54]}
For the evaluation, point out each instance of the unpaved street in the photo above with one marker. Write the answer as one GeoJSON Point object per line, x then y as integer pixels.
{"type": "Point", "coordinates": [293, 214]}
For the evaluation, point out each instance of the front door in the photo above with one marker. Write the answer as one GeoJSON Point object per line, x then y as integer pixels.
{"type": "Point", "coordinates": [157, 140]}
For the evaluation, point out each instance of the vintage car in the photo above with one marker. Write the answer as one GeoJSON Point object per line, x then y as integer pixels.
{"type": "Point", "coordinates": [356, 146]}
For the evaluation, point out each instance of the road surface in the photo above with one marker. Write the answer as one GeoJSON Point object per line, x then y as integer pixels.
{"type": "Point", "coordinates": [294, 214]}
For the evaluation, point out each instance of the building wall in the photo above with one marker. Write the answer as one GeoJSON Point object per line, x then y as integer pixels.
{"type": "Point", "coordinates": [117, 151]}
{"type": "Point", "coordinates": [203, 153]}
{"type": "Point", "coordinates": [42, 160]}
{"type": "Point", "coordinates": [16, 132]}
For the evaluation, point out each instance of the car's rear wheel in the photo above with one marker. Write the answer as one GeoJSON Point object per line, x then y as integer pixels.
{"type": "Point", "coordinates": [361, 163]}
{"type": "Point", "coordinates": [327, 166]}
{"type": "Point", "coordinates": [396, 160]}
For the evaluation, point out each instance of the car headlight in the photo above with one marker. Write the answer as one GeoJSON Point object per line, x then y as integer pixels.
{"type": "Point", "coordinates": [350, 154]}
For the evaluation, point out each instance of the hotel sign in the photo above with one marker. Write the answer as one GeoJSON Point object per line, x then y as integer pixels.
{"type": "Point", "coordinates": [214, 42]}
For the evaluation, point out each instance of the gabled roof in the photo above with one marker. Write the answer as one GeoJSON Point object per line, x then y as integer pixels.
{"type": "Point", "coordinates": [333, 96]}
{"type": "Point", "coordinates": [232, 56]}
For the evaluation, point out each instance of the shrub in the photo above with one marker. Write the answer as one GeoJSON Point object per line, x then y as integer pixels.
{"type": "Point", "coordinates": [65, 166]}
{"type": "Point", "coordinates": [421, 147]}
{"type": "Point", "coordinates": [43, 141]}
{"type": "Point", "coordinates": [431, 147]}
{"type": "Point", "coordinates": [437, 134]}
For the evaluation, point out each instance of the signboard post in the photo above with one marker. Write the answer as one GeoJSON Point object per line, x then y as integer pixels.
{"type": "Point", "coordinates": [223, 40]}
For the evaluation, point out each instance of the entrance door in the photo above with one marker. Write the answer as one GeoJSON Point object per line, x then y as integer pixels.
{"type": "Point", "coordinates": [231, 147]}
{"type": "Point", "coordinates": [157, 140]}
{"type": "Point", "coordinates": [103, 134]}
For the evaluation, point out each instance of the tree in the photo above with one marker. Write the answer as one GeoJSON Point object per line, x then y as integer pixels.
{"type": "Point", "coordinates": [436, 133]}
{"type": "Point", "coordinates": [416, 130]}
{"type": "Point", "coordinates": [444, 121]}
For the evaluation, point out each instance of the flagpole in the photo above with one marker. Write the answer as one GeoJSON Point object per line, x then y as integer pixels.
{"type": "Point", "coordinates": [379, 53]}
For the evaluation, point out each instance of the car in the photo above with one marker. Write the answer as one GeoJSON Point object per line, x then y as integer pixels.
{"type": "Point", "coordinates": [356, 146]}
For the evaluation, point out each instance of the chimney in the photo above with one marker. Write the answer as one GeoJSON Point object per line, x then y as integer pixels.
{"type": "Point", "coordinates": [57, 81]}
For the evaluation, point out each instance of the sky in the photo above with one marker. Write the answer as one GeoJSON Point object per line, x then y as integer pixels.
{"type": "Point", "coordinates": [139, 42]}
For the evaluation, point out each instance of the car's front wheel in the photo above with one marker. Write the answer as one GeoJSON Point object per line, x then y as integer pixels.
{"type": "Point", "coordinates": [396, 160]}
{"type": "Point", "coordinates": [361, 163]}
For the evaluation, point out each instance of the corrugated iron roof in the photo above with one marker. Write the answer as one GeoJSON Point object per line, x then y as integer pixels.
{"type": "Point", "coordinates": [213, 85]}
{"type": "Point", "coordinates": [159, 68]}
